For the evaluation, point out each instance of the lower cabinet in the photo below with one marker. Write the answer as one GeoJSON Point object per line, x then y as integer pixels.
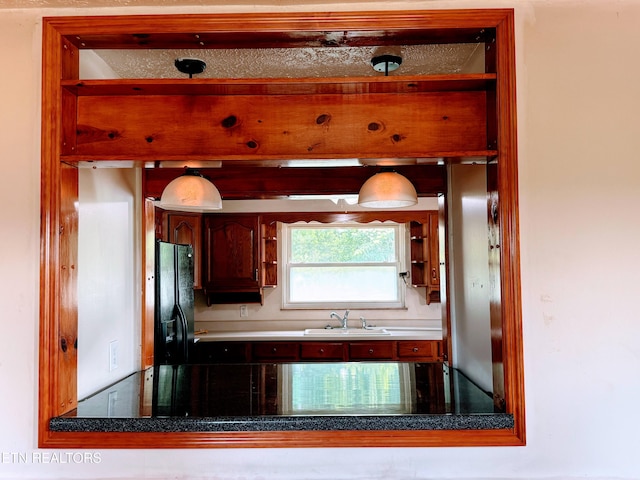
{"type": "Point", "coordinates": [417, 349]}
{"type": "Point", "coordinates": [270, 351]}
{"type": "Point", "coordinates": [222, 352]}
{"type": "Point", "coordinates": [322, 351]}
{"type": "Point", "coordinates": [371, 351]}
{"type": "Point", "coordinates": [314, 351]}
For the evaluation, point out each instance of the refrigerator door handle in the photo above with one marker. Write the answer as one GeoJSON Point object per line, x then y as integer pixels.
{"type": "Point", "coordinates": [183, 346]}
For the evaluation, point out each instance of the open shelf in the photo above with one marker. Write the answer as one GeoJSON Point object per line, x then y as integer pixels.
{"type": "Point", "coordinates": [283, 86]}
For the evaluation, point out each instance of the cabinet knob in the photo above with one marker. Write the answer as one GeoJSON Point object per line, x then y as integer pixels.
{"type": "Point", "coordinates": [434, 274]}
{"type": "Point", "coordinates": [371, 351]}
{"type": "Point", "coordinates": [274, 350]}
{"type": "Point", "coordinates": [322, 350]}
{"type": "Point", "coordinates": [415, 349]}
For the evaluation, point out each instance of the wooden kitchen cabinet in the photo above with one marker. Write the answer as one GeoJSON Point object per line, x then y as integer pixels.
{"type": "Point", "coordinates": [322, 351]}
{"type": "Point", "coordinates": [270, 351]}
{"type": "Point", "coordinates": [412, 349]}
{"type": "Point", "coordinates": [222, 352]}
{"type": "Point", "coordinates": [269, 254]}
{"type": "Point", "coordinates": [425, 255]}
{"type": "Point", "coordinates": [231, 251]}
{"type": "Point", "coordinates": [371, 350]}
{"type": "Point", "coordinates": [316, 350]}
{"type": "Point", "coordinates": [185, 228]}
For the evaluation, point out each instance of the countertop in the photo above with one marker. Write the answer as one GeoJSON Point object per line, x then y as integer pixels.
{"type": "Point", "coordinates": [394, 333]}
{"type": "Point", "coordinates": [246, 397]}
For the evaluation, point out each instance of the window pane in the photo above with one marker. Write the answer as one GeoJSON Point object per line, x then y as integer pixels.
{"type": "Point", "coordinates": [342, 245]}
{"type": "Point", "coordinates": [346, 284]}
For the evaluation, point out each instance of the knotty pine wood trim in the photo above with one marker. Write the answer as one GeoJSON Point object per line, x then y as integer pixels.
{"type": "Point", "coordinates": [510, 301]}
{"type": "Point", "coordinates": [64, 36]}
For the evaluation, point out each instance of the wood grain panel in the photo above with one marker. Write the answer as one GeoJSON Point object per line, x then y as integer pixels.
{"type": "Point", "coordinates": [68, 326]}
{"type": "Point", "coordinates": [507, 177]}
{"type": "Point", "coordinates": [156, 127]}
{"type": "Point", "coordinates": [282, 86]}
{"type": "Point", "coordinates": [240, 182]}
{"type": "Point", "coordinates": [58, 241]}
{"type": "Point", "coordinates": [148, 294]}
{"type": "Point", "coordinates": [281, 29]}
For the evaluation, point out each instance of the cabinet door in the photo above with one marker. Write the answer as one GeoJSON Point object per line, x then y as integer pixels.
{"type": "Point", "coordinates": [231, 252]}
{"type": "Point", "coordinates": [186, 229]}
{"type": "Point", "coordinates": [433, 282]}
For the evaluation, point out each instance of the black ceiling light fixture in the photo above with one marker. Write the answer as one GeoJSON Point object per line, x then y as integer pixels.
{"type": "Point", "coordinates": [386, 63]}
{"type": "Point", "coordinates": [192, 66]}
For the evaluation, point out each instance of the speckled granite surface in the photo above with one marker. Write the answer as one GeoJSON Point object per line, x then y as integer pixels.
{"type": "Point", "coordinates": [260, 397]}
{"type": "Point", "coordinates": [253, 424]}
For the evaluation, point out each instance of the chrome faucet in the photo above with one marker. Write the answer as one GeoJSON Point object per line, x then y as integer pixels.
{"type": "Point", "coordinates": [365, 325]}
{"type": "Point", "coordinates": [343, 320]}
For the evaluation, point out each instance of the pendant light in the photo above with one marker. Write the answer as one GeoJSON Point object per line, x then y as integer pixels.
{"type": "Point", "coordinates": [387, 189]}
{"type": "Point", "coordinates": [191, 192]}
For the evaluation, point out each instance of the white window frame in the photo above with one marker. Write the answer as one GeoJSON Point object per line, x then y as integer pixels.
{"type": "Point", "coordinates": [401, 262]}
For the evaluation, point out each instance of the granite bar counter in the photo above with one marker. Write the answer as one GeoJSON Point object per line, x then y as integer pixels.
{"type": "Point", "coordinates": [288, 397]}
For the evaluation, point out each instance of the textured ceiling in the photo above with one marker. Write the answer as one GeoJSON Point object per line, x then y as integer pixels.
{"type": "Point", "coordinates": [267, 63]}
{"type": "Point", "coordinates": [294, 62]}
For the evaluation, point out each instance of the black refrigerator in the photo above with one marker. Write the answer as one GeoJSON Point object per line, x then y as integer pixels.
{"type": "Point", "coordinates": [174, 317]}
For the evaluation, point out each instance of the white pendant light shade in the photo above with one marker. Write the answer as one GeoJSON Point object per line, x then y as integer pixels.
{"type": "Point", "coordinates": [191, 192]}
{"type": "Point", "coordinates": [387, 190]}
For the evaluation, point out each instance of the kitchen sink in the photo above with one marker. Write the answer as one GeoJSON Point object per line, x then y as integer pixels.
{"type": "Point", "coordinates": [347, 331]}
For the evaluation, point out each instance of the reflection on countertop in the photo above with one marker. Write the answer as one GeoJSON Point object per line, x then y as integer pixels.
{"type": "Point", "coordinates": [288, 396]}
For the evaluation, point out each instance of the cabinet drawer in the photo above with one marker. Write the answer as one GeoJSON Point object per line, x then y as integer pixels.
{"type": "Point", "coordinates": [276, 351]}
{"type": "Point", "coordinates": [363, 350]}
{"type": "Point", "coordinates": [321, 351]}
{"type": "Point", "coordinates": [222, 352]}
{"type": "Point", "coordinates": [424, 349]}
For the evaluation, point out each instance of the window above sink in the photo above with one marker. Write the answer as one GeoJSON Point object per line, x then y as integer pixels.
{"type": "Point", "coordinates": [345, 265]}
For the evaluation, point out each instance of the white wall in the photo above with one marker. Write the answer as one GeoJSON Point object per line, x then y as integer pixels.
{"type": "Point", "coordinates": [469, 273]}
{"type": "Point", "coordinates": [578, 117]}
{"type": "Point", "coordinates": [108, 250]}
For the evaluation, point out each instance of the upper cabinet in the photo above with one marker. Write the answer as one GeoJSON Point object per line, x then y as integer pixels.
{"type": "Point", "coordinates": [425, 255]}
{"type": "Point", "coordinates": [185, 228]}
{"type": "Point", "coordinates": [237, 252]}
{"type": "Point", "coordinates": [269, 253]}
{"type": "Point", "coordinates": [231, 254]}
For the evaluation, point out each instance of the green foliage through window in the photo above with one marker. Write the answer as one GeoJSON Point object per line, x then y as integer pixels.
{"type": "Point", "coordinates": [350, 265]}
{"type": "Point", "coordinates": [342, 245]}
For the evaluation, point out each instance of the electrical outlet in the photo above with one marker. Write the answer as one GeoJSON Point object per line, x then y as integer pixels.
{"type": "Point", "coordinates": [244, 312]}
{"type": "Point", "coordinates": [113, 355]}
